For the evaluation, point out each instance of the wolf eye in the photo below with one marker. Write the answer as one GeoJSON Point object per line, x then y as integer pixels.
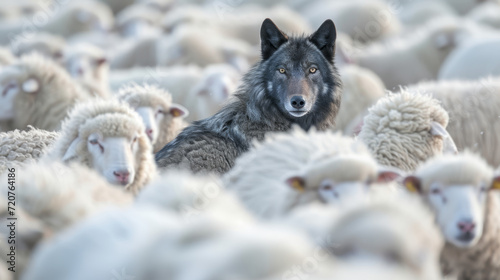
{"type": "Point", "coordinates": [282, 70]}
{"type": "Point", "coordinates": [313, 70]}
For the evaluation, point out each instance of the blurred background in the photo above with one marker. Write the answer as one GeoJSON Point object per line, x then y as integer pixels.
{"type": "Point", "coordinates": [198, 50]}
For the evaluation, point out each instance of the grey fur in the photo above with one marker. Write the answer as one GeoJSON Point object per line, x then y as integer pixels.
{"type": "Point", "coordinates": [213, 144]}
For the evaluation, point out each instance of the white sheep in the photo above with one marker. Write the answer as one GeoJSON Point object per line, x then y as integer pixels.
{"type": "Point", "coordinates": [202, 91]}
{"type": "Point", "coordinates": [37, 92]}
{"type": "Point", "coordinates": [184, 46]}
{"type": "Point", "coordinates": [21, 147]}
{"type": "Point", "coordinates": [292, 169]}
{"type": "Point", "coordinates": [71, 18]}
{"type": "Point", "coordinates": [163, 120]}
{"type": "Point", "coordinates": [88, 65]}
{"type": "Point", "coordinates": [363, 20]}
{"type": "Point", "coordinates": [473, 107]}
{"type": "Point", "coordinates": [420, 54]}
{"type": "Point", "coordinates": [48, 45]}
{"type": "Point", "coordinates": [244, 25]}
{"type": "Point", "coordinates": [361, 89]}
{"type": "Point", "coordinates": [486, 13]}
{"type": "Point", "coordinates": [474, 60]}
{"type": "Point", "coordinates": [138, 20]}
{"type": "Point", "coordinates": [416, 13]}
{"type": "Point", "coordinates": [51, 198]}
{"type": "Point", "coordinates": [109, 137]}
{"type": "Point", "coordinates": [147, 244]}
{"type": "Point", "coordinates": [461, 191]}
{"type": "Point", "coordinates": [403, 130]}
{"type": "Point", "coordinates": [192, 196]}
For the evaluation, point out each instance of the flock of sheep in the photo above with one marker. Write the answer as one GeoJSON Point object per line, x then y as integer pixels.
{"type": "Point", "coordinates": [403, 187]}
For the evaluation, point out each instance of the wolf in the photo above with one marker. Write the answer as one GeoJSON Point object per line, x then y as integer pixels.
{"type": "Point", "coordinates": [295, 83]}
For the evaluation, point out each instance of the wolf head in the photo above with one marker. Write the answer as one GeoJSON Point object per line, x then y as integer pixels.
{"type": "Point", "coordinates": [299, 77]}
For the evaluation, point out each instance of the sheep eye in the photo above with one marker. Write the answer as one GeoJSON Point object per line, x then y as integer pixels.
{"type": "Point", "coordinates": [94, 142]}
{"type": "Point", "coordinates": [313, 70]}
{"type": "Point", "coordinates": [160, 111]}
{"type": "Point", "coordinates": [282, 70]}
{"type": "Point", "coordinates": [436, 191]}
{"type": "Point", "coordinates": [327, 187]}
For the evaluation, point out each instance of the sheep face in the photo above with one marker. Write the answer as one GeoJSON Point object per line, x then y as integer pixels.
{"type": "Point", "coordinates": [342, 179]}
{"type": "Point", "coordinates": [457, 189]}
{"type": "Point", "coordinates": [13, 83]}
{"type": "Point", "coordinates": [151, 117]}
{"type": "Point", "coordinates": [459, 212]}
{"type": "Point", "coordinates": [114, 157]}
{"type": "Point", "coordinates": [85, 68]}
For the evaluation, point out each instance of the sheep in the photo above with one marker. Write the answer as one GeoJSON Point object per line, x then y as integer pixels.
{"type": "Point", "coordinates": [52, 197]}
{"type": "Point", "coordinates": [202, 91]}
{"type": "Point", "coordinates": [20, 147]}
{"type": "Point", "coordinates": [244, 25]}
{"type": "Point", "coordinates": [73, 18]}
{"type": "Point", "coordinates": [474, 60]}
{"type": "Point", "coordinates": [396, 229]}
{"type": "Point", "coordinates": [17, 10]}
{"type": "Point", "coordinates": [114, 235]}
{"type": "Point", "coordinates": [37, 92]}
{"type": "Point", "coordinates": [184, 47]}
{"type": "Point", "coordinates": [420, 55]}
{"type": "Point", "coordinates": [289, 170]}
{"type": "Point", "coordinates": [473, 107]}
{"type": "Point", "coordinates": [88, 65]}
{"type": "Point", "coordinates": [138, 20]}
{"type": "Point", "coordinates": [192, 196]}
{"type": "Point", "coordinates": [420, 12]}
{"type": "Point", "coordinates": [486, 13]}
{"type": "Point", "coordinates": [163, 120]}
{"type": "Point", "coordinates": [48, 45]}
{"type": "Point", "coordinates": [364, 21]}
{"type": "Point", "coordinates": [362, 88]}
{"type": "Point", "coordinates": [461, 191]}
{"type": "Point", "coordinates": [146, 244]}
{"type": "Point", "coordinates": [403, 130]}
{"type": "Point", "coordinates": [109, 137]}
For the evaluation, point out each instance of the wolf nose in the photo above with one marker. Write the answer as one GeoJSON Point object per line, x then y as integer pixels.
{"type": "Point", "coordinates": [466, 226]}
{"type": "Point", "coordinates": [298, 102]}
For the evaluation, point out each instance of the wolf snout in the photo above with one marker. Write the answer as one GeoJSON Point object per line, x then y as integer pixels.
{"type": "Point", "coordinates": [298, 102]}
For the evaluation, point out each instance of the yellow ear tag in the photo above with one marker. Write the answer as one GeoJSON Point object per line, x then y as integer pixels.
{"type": "Point", "coordinates": [412, 184]}
{"type": "Point", "coordinates": [297, 183]}
{"type": "Point", "coordinates": [496, 183]}
{"type": "Point", "coordinates": [176, 112]}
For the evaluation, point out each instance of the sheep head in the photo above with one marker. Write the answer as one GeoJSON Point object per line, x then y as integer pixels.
{"type": "Point", "coordinates": [457, 189]}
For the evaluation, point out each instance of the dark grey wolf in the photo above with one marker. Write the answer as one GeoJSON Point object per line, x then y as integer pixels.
{"type": "Point", "coordinates": [296, 82]}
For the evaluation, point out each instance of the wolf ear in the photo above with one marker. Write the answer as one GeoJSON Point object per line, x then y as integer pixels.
{"type": "Point", "coordinates": [271, 38]}
{"type": "Point", "coordinates": [324, 38]}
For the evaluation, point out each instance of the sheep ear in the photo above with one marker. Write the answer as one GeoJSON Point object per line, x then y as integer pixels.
{"type": "Point", "coordinates": [495, 185]}
{"type": "Point", "coordinates": [83, 16]}
{"type": "Point", "coordinates": [31, 85]}
{"type": "Point", "coordinates": [324, 38]}
{"type": "Point", "coordinates": [101, 61]}
{"type": "Point", "coordinates": [271, 38]}
{"type": "Point", "coordinates": [449, 146]}
{"type": "Point", "coordinates": [412, 184]}
{"type": "Point", "coordinates": [388, 174]}
{"type": "Point", "coordinates": [297, 183]}
{"type": "Point", "coordinates": [71, 152]}
{"type": "Point", "coordinates": [177, 111]}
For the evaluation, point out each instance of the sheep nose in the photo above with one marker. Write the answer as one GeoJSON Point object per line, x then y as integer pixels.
{"type": "Point", "coordinates": [149, 132]}
{"type": "Point", "coordinates": [466, 226]}
{"type": "Point", "coordinates": [122, 176]}
{"type": "Point", "coordinates": [298, 102]}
